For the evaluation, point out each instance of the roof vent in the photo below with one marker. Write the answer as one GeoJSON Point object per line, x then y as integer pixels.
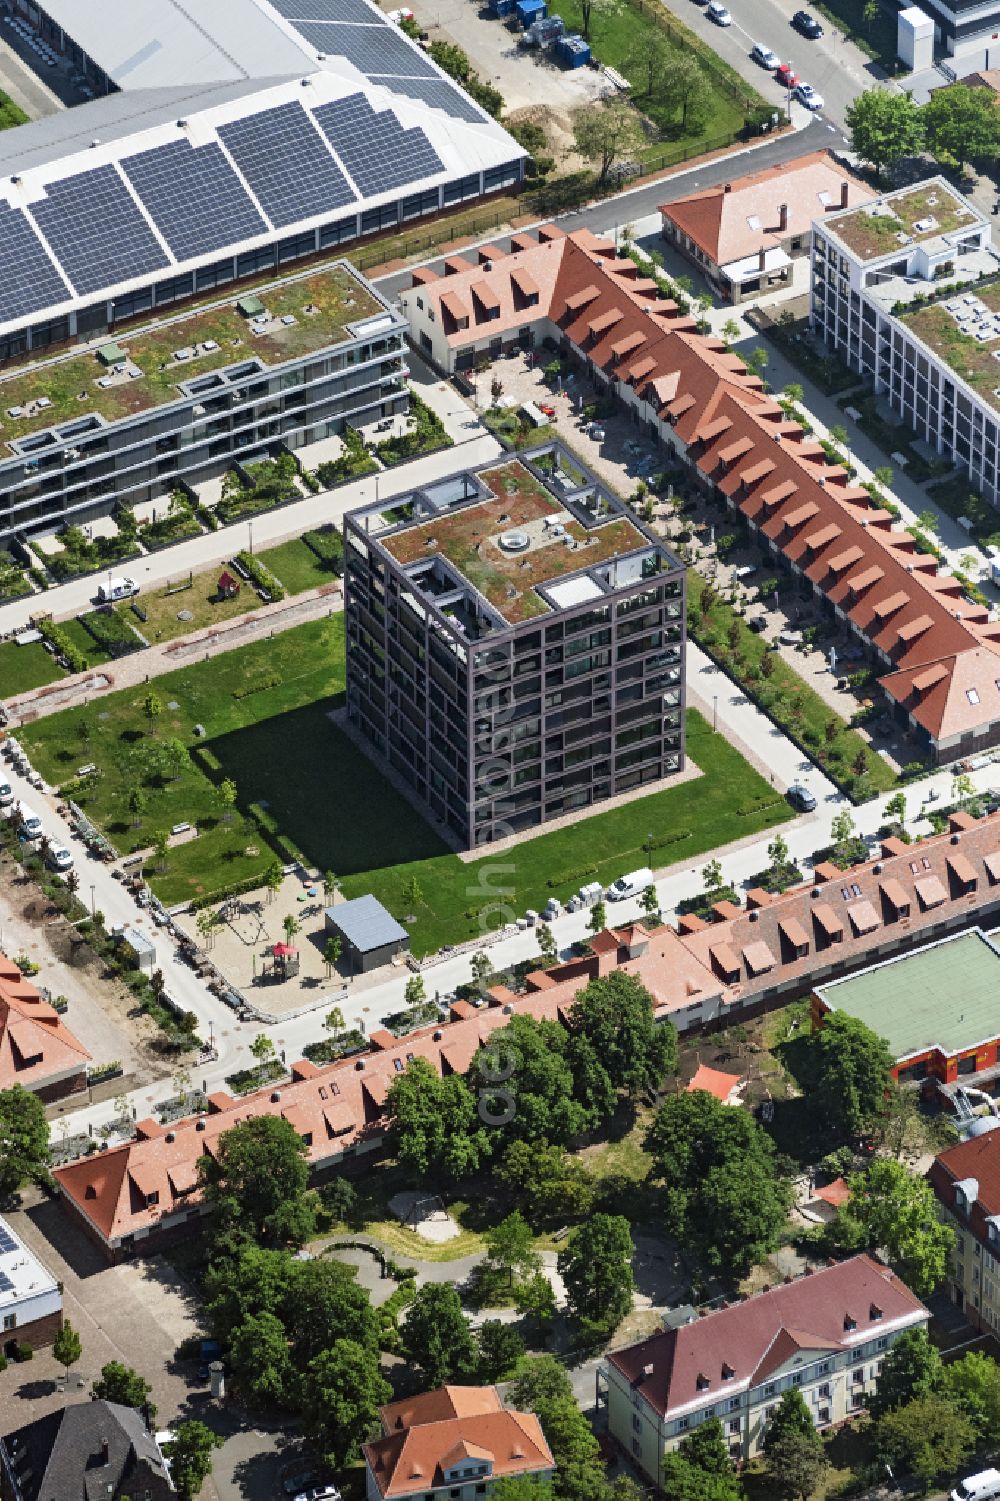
{"type": "Point", "coordinates": [199, 1125]}
{"type": "Point", "coordinates": [508, 1009]}
{"type": "Point", "coordinates": [170, 1136]}
{"type": "Point", "coordinates": [182, 125]}
{"type": "Point", "coordinates": [438, 1035]}
{"type": "Point", "coordinates": [95, 142]}
{"type": "Point", "coordinates": [815, 892]}
{"type": "Point", "coordinates": [359, 1065]}
{"type": "Point", "coordinates": [877, 868]}
{"type": "Point", "coordinates": [16, 181]}
{"type": "Point", "coordinates": [275, 1096]}
{"type": "Point", "coordinates": [754, 915]}
{"type": "Point", "coordinates": [647, 1370]}
{"type": "Point", "coordinates": [956, 838]}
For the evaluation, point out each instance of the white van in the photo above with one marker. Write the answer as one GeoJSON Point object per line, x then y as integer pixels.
{"type": "Point", "coordinates": [115, 589]}
{"type": "Point", "coordinates": [981, 1487]}
{"type": "Point", "coordinates": [31, 821]}
{"type": "Point", "coordinates": [6, 795]}
{"type": "Point", "coordinates": [631, 885]}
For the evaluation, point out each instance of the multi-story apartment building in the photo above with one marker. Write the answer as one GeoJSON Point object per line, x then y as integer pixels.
{"type": "Point", "coordinates": [30, 1297]}
{"type": "Point", "coordinates": [824, 1334]}
{"type": "Point", "coordinates": [875, 269]}
{"type": "Point", "coordinates": [175, 400]}
{"type": "Point", "coordinates": [515, 644]}
{"type": "Point", "coordinates": [966, 1180]}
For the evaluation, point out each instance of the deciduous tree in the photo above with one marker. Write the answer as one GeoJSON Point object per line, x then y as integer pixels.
{"type": "Point", "coordinates": [961, 124]}
{"type": "Point", "coordinates": [66, 1347]}
{"type": "Point", "coordinates": [543, 1387]}
{"type": "Point", "coordinates": [190, 1454]}
{"type": "Point", "coordinates": [433, 1126]}
{"type": "Point", "coordinates": [261, 1358]}
{"type": "Point", "coordinates": [437, 1336]}
{"type": "Point", "coordinates": [885, 126]}
{"type": "Point", "coordinates": [24, 1138]}
{"type": "Point", "coordinates": [911, 1368]}
{"type": "Point", "coordinates": [119, 1383]}
{"type": "Point", "coordinates": [928, 1437]}
{"type": "Point", "coordinates": [257, 1181]}
{"type": "Point", "coordinates": [615, 1015]}
{"type": "Point", "coordinates": [500, 1348]}
{"type": "Point", "coordinates": [606, 132]}
{"type": "Point", "coordinates": [890, 1210]}
{"type": "Point", "coordinates": [596, 1266]}
{"type": "Point", "coordinates": [343, 1392]}
{"type": "Point", "coordinates": [853, 1074]}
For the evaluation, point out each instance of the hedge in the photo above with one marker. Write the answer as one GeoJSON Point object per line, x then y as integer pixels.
{"type": "Point", "coordinates": [55, 634]}
{"type": "Point", "coordinates": [261, 576]}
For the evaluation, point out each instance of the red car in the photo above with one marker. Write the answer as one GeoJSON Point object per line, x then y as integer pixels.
{"type": "Point", "coordinates": [549, 411]}
{"type": "Point", "coordinates": [786, 76]}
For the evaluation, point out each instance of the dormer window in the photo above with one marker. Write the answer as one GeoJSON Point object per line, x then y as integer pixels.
{"type": "Point", "coordinates": [152, 1200]}
{"type": "Point", "coordinates": [727, 1372]}
{"type": "Point", "coordinates": [850, 1322]}
{"type": "Point", "coordinates": [874, 1313]}
{"type": "Point", "coordinates": [702, 1382]}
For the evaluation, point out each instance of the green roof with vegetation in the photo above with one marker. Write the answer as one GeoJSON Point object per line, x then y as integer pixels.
{"type": "Point", "coordinates": [944, 995]}
{"type": "Point", "coordinates": [872, 234]}
{"type": "Point", "coordinates": [469, 538]}
{"type": "Point", "coordinates": [58, 390]}
{"type": "Point", "coordinates": [971, 359]}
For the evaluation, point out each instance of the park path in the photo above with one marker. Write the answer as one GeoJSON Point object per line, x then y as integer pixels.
{"type": "Point", "coordinates": [154, 661]}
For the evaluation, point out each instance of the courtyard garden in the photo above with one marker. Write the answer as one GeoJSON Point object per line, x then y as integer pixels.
{"type": "Point", "coordinates": [302, 787]}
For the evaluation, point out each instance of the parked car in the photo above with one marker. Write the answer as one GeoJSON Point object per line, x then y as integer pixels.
{"type": "Point", "coordinates": [116, 589]}
{"type": "Point", "coordinates": [549, 411]}
{"type": "Point", "coordinates": [319, 1493]}
{"type": "Point", "coordinates": [299, 1480]}
{"type": "Point", "coordinates": [807, 24]}
{"type": "Point", "coordinates": [718, 13]}
{"type": "Point", "coordinates": [745, 571]}
{"type": "Point", "coordinates": [807, 95]}
{"type": "Point", "coordinates": [787, 76]}
{"type": "Point", "coordinates": [764, 56]}
{"type": "Point", "coordinates": [596, 432]}
{"type": "Point", "coordinates": [788, 637]}
{"type": "Point", "coordinates": [631, 885]}
{"type": "Point", "coordinates": [60, 858]}
{"type": "Point", "coordinates": [800, 797]}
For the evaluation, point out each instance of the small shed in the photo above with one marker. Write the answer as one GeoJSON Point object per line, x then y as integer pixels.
{"type": "Point", "coordinates": [140, 949]}
{"type": "Point", "coordinates": [371, 936]}
{"type": "Point", "coordinates": [250, 306]}
{"type": "Point", "coordinates": [228, 586]}
{"type": "Point", "coordinates": [111, 354]}
{"type": "Point", "coordinates": [573, 51]}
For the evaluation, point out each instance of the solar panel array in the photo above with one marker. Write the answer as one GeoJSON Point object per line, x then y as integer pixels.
{"type": "Point", "coordinates": [194, 197]}
{"type": "Point", "coordinates": [436, 92]}
{"type": "Point", "coordinates": [7, 1241]}
{"type": "Point", "coordinates": [96, 231]}
{"type": "Point", "coordinates": [327, 10]}
{"type": "Point", "coordinates": [372, 49]}
{"type": "Point", "coordinates": [27, 276]}
{"type": "Point", "coordinates": [377, 151]}
{"type": "Point", "coordinates": [283, 158]}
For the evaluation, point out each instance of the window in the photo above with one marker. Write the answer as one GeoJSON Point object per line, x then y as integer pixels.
{"type": "Point", "coordinates": [734, 1425]}
{"type": "Point", "coordinates": [734, 1403]}
{"type": "Point", "coordinates": [972, 695]}
{"type": "Point", "coordinates": [636, 1423]}
{"type": "Point", "coordinates": [824, 1390]}
{"type": "Point", "coordinates": [636, 1446]}
{"type": "Point", "coordinates": [9, 1322]}
{"type": "Point", "coordinates": [683, 1424]}
{"type": "Point", "coordinates": [823, 1416]}
{"type": "Point", "coordinates": [770, 1389]}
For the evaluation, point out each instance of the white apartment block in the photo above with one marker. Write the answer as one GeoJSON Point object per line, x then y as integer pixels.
{"type": "Point", "coordinates": [825, 1334]}
{"type": "Point", "coordinates": [874, 271]}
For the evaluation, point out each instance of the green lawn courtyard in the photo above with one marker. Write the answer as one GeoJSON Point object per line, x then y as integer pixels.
{"type": "Point", "coordinates": [304, 787]}
{"type": "Point", "coordinates": [25, 667]}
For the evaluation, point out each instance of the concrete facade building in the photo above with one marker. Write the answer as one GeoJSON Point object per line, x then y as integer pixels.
{"type": "Point", "coordinates": [873, 269]}
{"type": "Point", "coordinates": [30, 1297]}
{"type": "Point", "coordinates": [178, 400]}
{"type": "Point", "coordinates": [453, 1442]}
{"type": "Point", "coordinates": [515, 644]}
{"type": "Point", "coordinates": [744, 235]}
{"type": "Point", "coordinates": [966, 1181]}
{"type": "Point", "coordinates": [824, 1334]}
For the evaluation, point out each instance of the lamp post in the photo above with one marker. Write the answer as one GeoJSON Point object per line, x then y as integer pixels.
{"type": "Point", "coordinates": [93, 904]}
{"type": "Point", "coordinates": [250, 531]}
{"type": "Point", "coordinates": [715, 712]}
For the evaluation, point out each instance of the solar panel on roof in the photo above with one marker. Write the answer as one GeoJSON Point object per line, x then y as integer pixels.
{"type": "Point", "coordinates": [436, 92]}
{"type": "Point", "coordinates": [377, 151]}
{"type": "Point", "coordinates": [7, 1241]}
{"type": "Point", "coordinates": [96, 230]}
{"type": "Point", "coordinates": [28, 279]}
{"type": "Point", "coordinates": [284, 159]}
{"type": "Point", "coordinates": [194, 197]}
{"type": "Point", "coordinates": [6, 1286]}
{"type": "Point", "coordinates": [372, 49]}
{"type": "Point", "coordinates": [326, 10]}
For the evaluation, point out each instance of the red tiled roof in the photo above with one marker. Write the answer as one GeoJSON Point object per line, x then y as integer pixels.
{"type": "Point", "coordinates": [36, 1046]}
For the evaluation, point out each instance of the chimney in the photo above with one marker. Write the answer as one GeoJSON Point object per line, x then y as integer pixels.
{"type": "Point", "coordinates": [761, 258]}
{"type": "Point", "coordinates": [782, 216]}
{"type": "Point", "coordinates": [843, 195]}
{"type": "Point", "coordinates": [105, 1451]}
{"type": "Point", "coordinates": [727, 187]}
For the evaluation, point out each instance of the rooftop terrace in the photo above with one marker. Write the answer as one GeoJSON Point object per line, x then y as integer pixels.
{"type": "Point", "coordinates": [911, 216]}
{"type": "Point", "coordinates": [963, 335]}
{"type": "Point", "coordinates": [298, 316]}
{"type": "Point", "coordinates": [525, 538]}
{"type": "Point", "coordinates": [944, 995]}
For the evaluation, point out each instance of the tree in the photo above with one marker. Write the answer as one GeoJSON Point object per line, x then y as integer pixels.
{"type": "Point", "coordinates": [891, 1211]}
{"type": "Point", "coordinates": [437, 1336]}
{"type": "Point", "coordinates": [535, 1059]}
{"type": "Point", "coordinates": [796, 1463]}
{"type": "Point", "coordinates": [706, 1449]}
{"type": "Point", "coordinates": [24, 1138]}
{"type": "Point", "coordinates": [331, 885]}
{"type": "Point", "coordinates": [500, 1348]}
{"type": "Point", "coordinates": [790, 1417]}
{"type": "Point", "coordinates": [767, 665]}
{"type": "Point", "coordinates": [780, 869]}
{"type": "Point", "coordinates": [152, 708]}
{"type": "Point", "coordinates": [895, 809]}
{"type": "Point", "coordinates": [596, 1266]}
{"type": "Point", "coordinates": [262, 1049]}
{"type": "Point", "coordinates": [66, 1347]}
{"type": "Point", "coordinates": [589, 8]}
{"type": "Point", "coordinates": [323, 1303]}
{"type": "Point", "coordinates": [412, 894]}
{"type": "Point", "coordinates": [227, 798]}
{"type": "Point", "coordinates": [119, 1383]}
{"type": "Point", "coordinates": [650, 902]}
{"type": "Point", "coordinates": [883, 476]}
{"type": "Point", "coordinates": [794, 393]}
{"type": "Point", "coordinates": [962, 787]}
{"type": "Point", "coordinates": [685, 88]}
{"type": "Point", "coordinates": [257, 1180]}
{"type": "Point", "coordinates": [724, 1196]}
{"type": "Point", "coordinates": [547, 946]}
{"type": "Point", "coordinates": [615, 1015]}
{"type": "Point", "coordinates": [912, 1368]}
{"type": "Point", "coordinates": [649, 61]}
{"type": "Point", "coordinates": [415, 993]}
{"type": "Point", "coordinates": [496, 390]}
{"type": "Point", "coordinates": [961, 124]}
{"type": "Point", "coordinates": [711, 874]}
{"type": "Point", "coordinates": [842, 832]}
{"type": "Point", "coordinates": [510, 1252]}
{"type": "Point", "coordinates": [290, 926]}
{"type": "Point", "coordinates": [433, 1127]}
{"type": "Point", "coordinates": [206, 923]}
{"type": "Point", "coordinates": [343, 1390]}
{"type": "Point", "coordinates": [160, 850]}
{"type": "Point", "coordinates": [535, 1300]}
{"type": "Point", "coordinates": [608, 131]}
{"type": "Point", "coordinates": [930, 521]}
{"type": "Point", "coordinates": [542, 1386]}
{"type": "Point", "coordinates": [333, 1021]}
{"type": "Point", "coordinates": [522, 1488]}
{"type": "Point", "coordinates": [730, 330]}
{"type": "Point", "coordinates": [551, 1185]}
{"type": "Point", "coordinates": [138, 802]}
{"type": "Point", "coordinates": [482, 969]}
{"type": "Point", "coordinates": [260, 1355]}
{"type": "Point", "coordinates": [273, 878]}
{"type": "Point", "coordinates": [332, 950]}
{"type": "Point", "coordinates": [973, 1384]}
{"type": "Point", "coordinates": [885, 127]}
{"type": "Point", "coordinates": [190, 1454]}
{"type": "Point", "coordinates": [852, 1068]}
{"type": "Point", "coordinates": [598, 919]}
{"type": "Point", "coordinates": [684, 1481]}
{"type": "Point", "coordinates": [928, 1437]}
